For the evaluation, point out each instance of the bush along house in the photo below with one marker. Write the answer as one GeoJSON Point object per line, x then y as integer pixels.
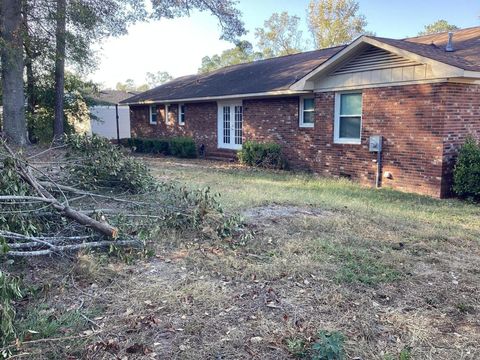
{"type": "Point", "coordinates": [380, 111]}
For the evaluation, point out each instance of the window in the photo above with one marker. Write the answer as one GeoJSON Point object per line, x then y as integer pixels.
{"type": "Point", "coordinates": [181, 114]}
{"type": "Point", "coordinates": [307, 111]}
{"type": "Point", "coordinates": [153, 114]}
{"type": "Point", "coordinates": [348, 118]}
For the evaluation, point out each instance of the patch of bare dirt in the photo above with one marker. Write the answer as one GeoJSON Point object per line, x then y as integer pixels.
{"type": "Point", "coordinates": [274, 212]}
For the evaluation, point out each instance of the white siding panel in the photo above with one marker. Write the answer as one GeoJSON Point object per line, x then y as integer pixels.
{"type": "Point", "coordinates": [106, 125]}
{"type": "Point", "coordinates": [374, 67]}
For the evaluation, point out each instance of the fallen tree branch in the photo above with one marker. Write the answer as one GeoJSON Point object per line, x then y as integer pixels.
{"type": "Point", "coordinates": [64, 248]}
{"type": "Point", "coordinates": [65, 210]}
{"type": "Point", "coordinates": [50, 185]}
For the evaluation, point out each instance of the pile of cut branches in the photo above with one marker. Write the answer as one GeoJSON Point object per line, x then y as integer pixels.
{"type": "Point", "coordinates": [93, 195]}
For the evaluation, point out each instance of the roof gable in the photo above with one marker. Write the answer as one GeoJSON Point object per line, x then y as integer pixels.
{"type": "Point", "coordinates": [372, 58]}
{"type": "Point", "coordinates": [442, 64]}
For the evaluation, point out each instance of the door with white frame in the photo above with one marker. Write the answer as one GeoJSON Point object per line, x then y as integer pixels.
{"type": "Point", "coordinates": [230, 124]}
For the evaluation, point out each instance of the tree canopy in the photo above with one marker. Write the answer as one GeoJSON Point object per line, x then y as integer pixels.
{"type": "Point", "coordinates": [60, 33]}
{"type": "Point", "coordinates": [242, 52]}
{"type": "Point", "coordinates": [334, 22]}
{"type": "Point", "coordinates": [280, 35]}
{"type": "Point", "coordinates": [437, 27]}
{"type": "Point", "coordinates": [158, 78]}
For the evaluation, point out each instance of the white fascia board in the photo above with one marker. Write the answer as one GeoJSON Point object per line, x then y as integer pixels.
{"type": "Point", "coordinates": [224, 97]}
{"type": "Point", "coordinates": [472, 74]}
{"type": "Point", "coordinates": [445, 70]}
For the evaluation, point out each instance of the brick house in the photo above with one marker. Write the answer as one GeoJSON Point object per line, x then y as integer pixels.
{"type": "Point", "coordinates": [326, 107]}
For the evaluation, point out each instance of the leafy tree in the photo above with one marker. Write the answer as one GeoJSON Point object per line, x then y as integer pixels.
{"type": "Point", "coordinates": [438, 27]}
{"type": "Point", "coordinates": [129, 85]}
{"type": "Point", "coordinates": [280, 35]}
{"type": "Point", "coordinates": [158, 78]}
{"type": "Point", "coordinates": [12, 71]}
{"type": "Point", "coordinates": [334, 22]}
{"type": "Point", "coordinates": [77, 101]}
{"type": "Point", "coordinates": [61, 32]}
{"type": "Point", "coordinates": [242, 52]}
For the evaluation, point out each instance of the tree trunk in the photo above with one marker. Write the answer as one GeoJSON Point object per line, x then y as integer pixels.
{"type": "Point", "coordinates": [12, 72]}
{"type": "Point", "coordinates": [58, 128]}
{"type": "Point", "coordinates": [29, 57]}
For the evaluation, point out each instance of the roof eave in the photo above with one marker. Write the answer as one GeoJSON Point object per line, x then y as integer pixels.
{"type": "Point", "coordinates": [288, 92]}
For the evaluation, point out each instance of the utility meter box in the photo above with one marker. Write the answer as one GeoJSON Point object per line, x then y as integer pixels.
{"type": "Point", "coordinates": [375, 143]}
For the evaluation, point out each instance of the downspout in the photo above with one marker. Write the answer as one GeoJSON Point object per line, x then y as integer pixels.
{"type": "Point", "coordinates": [378, 178]}
{"type": "Point", "coordinates": [118, 127]}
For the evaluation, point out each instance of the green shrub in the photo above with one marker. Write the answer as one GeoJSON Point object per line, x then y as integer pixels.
{"type": "Point", "coordinates": [183, 147]}
{"type": "Point", "coordinates": [267, 155]}
{"type": "Point", "coordinates": [466, 175]}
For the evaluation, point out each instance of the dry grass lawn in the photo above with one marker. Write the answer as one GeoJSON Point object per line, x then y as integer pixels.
{"type": "Point", "coordinates": [396, 274]}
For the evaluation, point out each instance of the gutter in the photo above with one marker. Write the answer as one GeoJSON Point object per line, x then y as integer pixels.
{"type": "Point", "coordinates": [221, 97]}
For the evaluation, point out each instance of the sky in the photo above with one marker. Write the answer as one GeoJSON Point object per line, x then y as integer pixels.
{"type": "Point", "coordinates": [178, 46]}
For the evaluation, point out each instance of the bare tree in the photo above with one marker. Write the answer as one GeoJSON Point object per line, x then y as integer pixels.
{"type": "Point", "coordinates": [12, 72]}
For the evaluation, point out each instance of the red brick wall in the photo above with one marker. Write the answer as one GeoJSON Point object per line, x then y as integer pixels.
{"type": "Point", "coordinates": [422, 127]}
{"type": "Point", "coordinates": [200, 123]}
{"type": "Point", "coordinates": [462, 118]}
{"type": "Point", "coordinates": [276, 119]}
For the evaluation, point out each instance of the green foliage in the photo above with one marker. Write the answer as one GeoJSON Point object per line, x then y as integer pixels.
{"type": "Point", "coordinates": [466, 175]}
{"type": "Point", "coordinates": [328, 346]}
{"type": "Point", "coordinates": [359, 265]}
{"type": "Point", "coordinates": [297, 347]}
{"type": "Point", "coordinates": [267, 155]}
{"type": "Point", "coordinates": [9, 292]}
{"type": "Point", "coordinates": [183, 147]}
{"type": "Point", "coordinates": [437, 27]}
{"type": "Point", "coordinates": [280, 35]}
{"type": "Point", "coordinates": [129, 85]}
{"type": "Point", "coordinates": [150, 146]}
{"type": "Point", "coordinates": [77, 101]}
{"type": "Point", "coordinates": [405, 354]}
{"type": "Point", "coordinates": [242, 53]}
{"type": "Point", "coordinates": [96, 163]}
{"type": "Point", "coordinates": [334, 22]}
{"type": "Point", "coordinates": [158, 78]}
{"type": "Point", "coordinates": [43, 322]}
{"type": "Point", "coordinates": [11, 219]}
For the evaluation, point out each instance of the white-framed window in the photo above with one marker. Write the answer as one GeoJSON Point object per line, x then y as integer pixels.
{"type": "Point", "coordinates": [307, 111]}
{"type": "Point", "coordinates": [181, 114]}
{"type": "Point", "coordinates": [348, 118]}
{"type": "Point", "coordinates": [153, 114]}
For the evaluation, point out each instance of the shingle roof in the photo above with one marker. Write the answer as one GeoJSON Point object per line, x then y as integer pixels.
{"type": "Point", "coordinates": [267, 75]}
{"type": "Point", "coordinates": [466, 44]}
{"type": "Point", "coordinates": [111, 97]}
{"type": "Point", "coordinates": [280, 73]}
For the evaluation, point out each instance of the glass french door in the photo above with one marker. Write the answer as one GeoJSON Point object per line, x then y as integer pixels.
{"type": "Point", "coordinates": [230, 125]}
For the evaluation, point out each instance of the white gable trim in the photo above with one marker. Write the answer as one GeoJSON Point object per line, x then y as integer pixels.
{"type": "Point", "coordinates": [441, 70]}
